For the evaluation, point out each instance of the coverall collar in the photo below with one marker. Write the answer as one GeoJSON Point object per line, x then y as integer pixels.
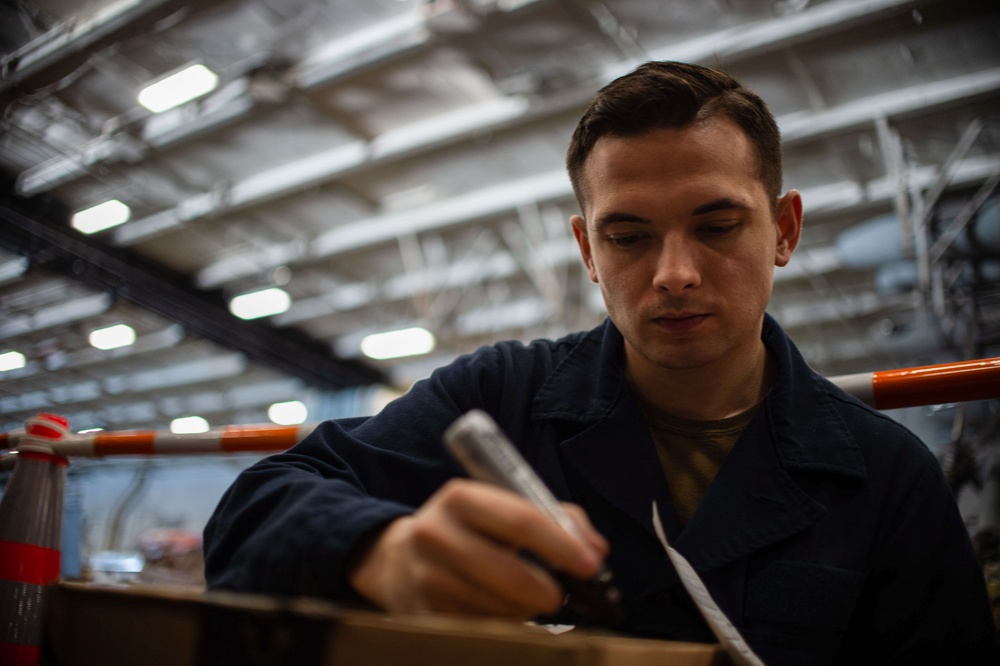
{"type": "Point", "coordinates": [754, 500]}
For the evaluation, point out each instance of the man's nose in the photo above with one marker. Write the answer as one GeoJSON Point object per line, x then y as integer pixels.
{"type": "Point", "coordinates": [677, 267]}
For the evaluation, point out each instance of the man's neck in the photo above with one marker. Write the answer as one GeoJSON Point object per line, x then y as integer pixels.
{"type": "Point", "coordinates": [705, 393]}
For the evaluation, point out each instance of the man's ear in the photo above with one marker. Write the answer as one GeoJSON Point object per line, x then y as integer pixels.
{"type": "Point", "coordinates": [789, 226]}
{"type": "Point", "coordinates": [583, 240]}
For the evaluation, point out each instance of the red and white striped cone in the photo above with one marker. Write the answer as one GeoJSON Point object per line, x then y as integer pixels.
{"type": "Point", "coordinates": [30, 538]}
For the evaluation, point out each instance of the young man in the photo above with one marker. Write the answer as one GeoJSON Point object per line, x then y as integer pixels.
{"type": "Point", "coordinates": [823, 529]}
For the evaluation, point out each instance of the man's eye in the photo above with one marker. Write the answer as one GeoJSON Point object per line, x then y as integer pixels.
{"type": "Point", "coordinates": [721, 229]}
{"type": "Point", "coordinates": [625, 240]}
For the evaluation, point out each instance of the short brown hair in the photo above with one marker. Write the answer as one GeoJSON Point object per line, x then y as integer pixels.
{"type": "Point", "coordinates": [659, 95]}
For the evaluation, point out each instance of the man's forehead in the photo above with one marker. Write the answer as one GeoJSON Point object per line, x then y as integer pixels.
{"type": "Point", "coordinates": [697, 132]}
{"type": "Point", "coordinates": [716, 151]}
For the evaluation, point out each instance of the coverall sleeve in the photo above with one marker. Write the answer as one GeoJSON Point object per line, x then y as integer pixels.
{"type": "Point", "coordinates": [288, 524]}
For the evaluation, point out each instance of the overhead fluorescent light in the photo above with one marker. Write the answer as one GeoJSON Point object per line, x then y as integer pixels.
{"type": "Point", "coordinates": [292, 412]}
{"type": "Point", "coordinates": [100, 217]}
{"type": "Point", "coordinates": [11, 360]}
{"type": "Point", "coordinates": [112, 337]}
{"type": "Point", "coordinates": [186, 425]}
{"type": "Point", "coordinates": [263, 303]}
{"type": "Point", "coordinates": [395, 344]}
{"type": "Point", "coordinates": [176, 89]}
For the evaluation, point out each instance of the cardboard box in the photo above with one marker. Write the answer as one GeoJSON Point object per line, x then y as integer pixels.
{"type": "Point", "coordinates": [112, 625]}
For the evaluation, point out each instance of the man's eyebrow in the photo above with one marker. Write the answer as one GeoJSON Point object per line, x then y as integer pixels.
{"type": "Point", "coordinates": [725, 203]}
{"type": "Point", "coordinates": [611, 218]}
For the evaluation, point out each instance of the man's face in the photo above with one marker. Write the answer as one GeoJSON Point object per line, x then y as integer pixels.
{"type": "Point", "coordinates": [681, 237]}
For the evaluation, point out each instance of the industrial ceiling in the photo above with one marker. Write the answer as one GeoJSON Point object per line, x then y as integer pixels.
{"type": "Point", "coordinates": [399, 163]}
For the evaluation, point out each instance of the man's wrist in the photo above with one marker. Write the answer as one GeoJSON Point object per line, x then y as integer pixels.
{"type": "Point", "coordinates": [360, 569]}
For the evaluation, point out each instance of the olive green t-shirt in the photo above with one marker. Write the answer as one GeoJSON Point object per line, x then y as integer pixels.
{"type": "Point", "coordinates": [691, 452]}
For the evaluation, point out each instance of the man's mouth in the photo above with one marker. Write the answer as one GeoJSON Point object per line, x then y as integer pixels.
{"type": "Point", "coordinates": [678, 322]}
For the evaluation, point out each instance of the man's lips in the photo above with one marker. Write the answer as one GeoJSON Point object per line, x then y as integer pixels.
{"type": "Point", "coordinates": [680, 321]}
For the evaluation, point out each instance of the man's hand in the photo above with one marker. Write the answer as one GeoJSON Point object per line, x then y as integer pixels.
{"type": "Point", "coordinates": [459, 554]}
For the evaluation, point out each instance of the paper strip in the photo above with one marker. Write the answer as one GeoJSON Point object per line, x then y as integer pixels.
{"type": "Point", "coordinates": [732, 642]}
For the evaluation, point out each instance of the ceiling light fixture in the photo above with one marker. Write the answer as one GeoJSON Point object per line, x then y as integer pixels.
{"type": "Point", "coordinates": [11, 360]}
{"type": "Point", "coordinates": [396, 344]}
{"type": "Point", "coordinates": [187, 425]}
{"type": "Point", "coordinates": [263, 303]}
{"type": "Point", "coordinates": [178, 88]}
{"type": "Point", "coordinates": [100, 217]}
{"type": "Point", "coordinates": [112, 337]}
{"type": "Point", "coordinates": [292, 412]}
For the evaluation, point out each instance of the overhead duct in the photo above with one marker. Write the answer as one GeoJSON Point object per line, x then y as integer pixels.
{"type": "Point", "coordinates": [871, 243]}
{"type": "Point", "coordinates": [879, 241]}
{"type": "Point", "coordinates": [878, 245]}
{"type": "Point", "coordinates": [897, 276]}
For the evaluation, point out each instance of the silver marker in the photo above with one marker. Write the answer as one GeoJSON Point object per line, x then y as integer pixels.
{"type": "Point", "coordinates": [487, 455]}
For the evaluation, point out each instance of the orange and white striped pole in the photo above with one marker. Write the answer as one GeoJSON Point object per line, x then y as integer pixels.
{"type": "Point", "coordinates": [938, 384]}
{"type": "Point", "coordinates": [886, 389]}
{"type": "Point", "coordinates": [230, 439]}
{"type": "Point", "coordinates": [30, 538]}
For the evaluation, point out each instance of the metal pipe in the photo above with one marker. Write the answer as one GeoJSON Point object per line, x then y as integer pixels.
{"type": "Point", "coordinates": [925, 385]}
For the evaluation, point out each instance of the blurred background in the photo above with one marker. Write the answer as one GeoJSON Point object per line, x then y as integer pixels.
{"type": "Point", "coordinates": [254, 211]}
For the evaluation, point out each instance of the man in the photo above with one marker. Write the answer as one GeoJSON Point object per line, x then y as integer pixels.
{"type": "Point", "coordinates": [823, 529]}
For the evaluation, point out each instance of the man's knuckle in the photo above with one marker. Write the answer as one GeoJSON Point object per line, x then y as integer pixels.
{"type": "Point", "coordinates": [455, 491]}
{"type": "Point", "coordinates": [425, 535]}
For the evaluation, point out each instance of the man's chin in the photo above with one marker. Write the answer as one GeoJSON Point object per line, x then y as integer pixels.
{"type": "Point", "coordinates": [677, 359]}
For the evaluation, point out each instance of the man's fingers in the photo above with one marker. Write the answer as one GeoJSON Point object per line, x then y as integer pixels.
{"type": "Point", "coordinates": [461, 552]}
{"type": "Point", "coordinates": [514, 521]}
{"type": "Point", "coordinates": [487, 563]}
{"type": "Point", "coordinates": [587, 530]}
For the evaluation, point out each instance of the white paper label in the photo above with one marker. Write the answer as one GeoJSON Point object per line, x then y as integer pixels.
{"type": "Point", "coordinates": [732, 642]}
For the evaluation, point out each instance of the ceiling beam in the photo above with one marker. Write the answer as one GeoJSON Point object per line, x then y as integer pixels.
{"type": "Point", "coordinates": [812, 125]}
{"type": "Point", "coordinates": [63, 250]}
{"type": "Point", "coordinates": [363, 48]}
{"type": "Point", "coordinates": [76, 309]}
{"type": "Point", "coordinates": [166, 338]}
{"type": "Point", "coordinates": [324, 167]}
{"type": "Point", "coordinates": [85, 406]}
{"type": "Point", "coordinates": [818, 20]}
{"type": "Point", "coordinates": [12, 268]}
{"type": "Point", "coordinates": [338, 59]}
{"type": "Point", "coordinates": [69, 43]}
{"type": "Point", "coordinates": [397, 37]}
{"type": "Point", "coordinates": [195, 371]}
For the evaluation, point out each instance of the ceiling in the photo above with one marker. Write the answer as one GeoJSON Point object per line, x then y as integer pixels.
{"type": "Point", "coordinates": [392, 163]}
